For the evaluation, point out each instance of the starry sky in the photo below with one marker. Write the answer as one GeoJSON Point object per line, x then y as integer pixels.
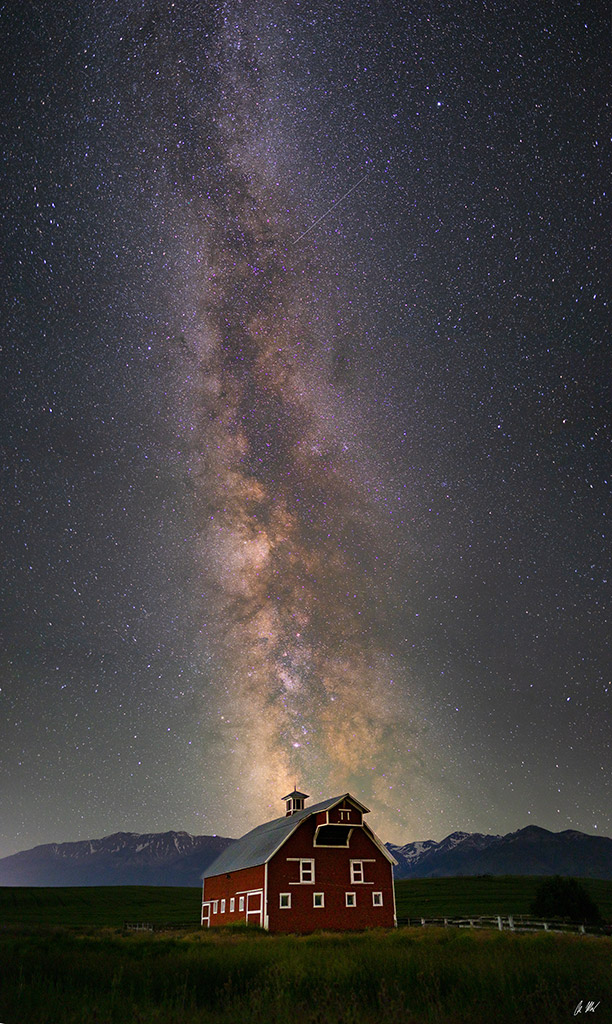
{"type": "Point", "coordinates": [306, 416]}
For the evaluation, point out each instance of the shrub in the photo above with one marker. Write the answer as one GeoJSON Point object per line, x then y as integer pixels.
{"type": "Point", "coordinates": [565, 897]}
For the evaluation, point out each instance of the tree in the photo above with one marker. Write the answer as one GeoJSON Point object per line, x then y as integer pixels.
{"type": "Point", "coordinates": [565, 897]}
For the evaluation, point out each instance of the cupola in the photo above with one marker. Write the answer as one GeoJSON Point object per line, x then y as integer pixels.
{"type": "Point", "coordinates": [294, 802]}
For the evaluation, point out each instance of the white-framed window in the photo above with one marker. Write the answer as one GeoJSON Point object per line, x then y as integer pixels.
{"type": "Point", "coordinates": [241, 903]}
{"type": "Point", "coordinates": [357, 872]}
{"type": "Point", "coordinates": [284, 900]}
{"type": "Point", "coordinates": [307, 870]}
{"type": "Point", "coordinates": [345, 815]}
{"type": "Point", "coordinates": [318, 899]}
{"type": "Point", "coordinates": [232, 905]}
{"type": "Point", "coordinates": [377, 900]}
{"type": "Point", "coordinates": [216, 907]}
{"type": "Point", "coordinates": [222, 906]}
{"type": "Point", "coordinates": [351, 899]}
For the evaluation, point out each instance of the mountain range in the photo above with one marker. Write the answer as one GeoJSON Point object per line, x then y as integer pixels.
{"type": "Point", "coordinates": [125, 858]}
{"type": "Point", "coordinates": [529, 851]}
{"type": "Point", "coordinates": [178, 858]}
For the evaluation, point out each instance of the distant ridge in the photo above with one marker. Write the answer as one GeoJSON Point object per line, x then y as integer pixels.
{"type": "Point", "coordinates": [530, 851]}
{"type": "Point", "coordinates": [125, 858]}
{"type": "Point", "coordinates": [178, 858]}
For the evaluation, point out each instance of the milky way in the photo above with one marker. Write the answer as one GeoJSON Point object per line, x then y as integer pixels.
{"type": "Point", "coordinates": [306, 419]}
{"type": "Point", "coordinates": [293, 549]}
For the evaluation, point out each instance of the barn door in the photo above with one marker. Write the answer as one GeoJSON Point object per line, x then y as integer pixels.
{"type": "Point", "coordinates": [206, 915]}
{"type": "Point", "coordinates": [254, 908]}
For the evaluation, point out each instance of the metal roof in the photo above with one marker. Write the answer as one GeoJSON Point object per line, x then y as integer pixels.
{"type": "Point", "coordinates": [258, 845]}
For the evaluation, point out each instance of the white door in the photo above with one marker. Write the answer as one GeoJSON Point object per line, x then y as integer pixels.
{"type": "Point", "coordinates": [254, 908]}
{"type": "Point", "coordinates": [206, 915]}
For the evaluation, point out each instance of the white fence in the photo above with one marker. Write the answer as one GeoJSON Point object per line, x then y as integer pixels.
{"type": "Point", "coordinates": [512, 923]}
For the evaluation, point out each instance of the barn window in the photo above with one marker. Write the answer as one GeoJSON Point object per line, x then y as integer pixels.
{"type": "Point", "coordinates": [232, 905]}
{"type": "Point", "coordinates": [284, 900]}
{"type": "Point", "coordinates": [351, 900]}
{"type": "Point", "coordinates": [318, 899]}
{"type": "Point", "coordinates": [307, 872]}
{"type": "Point", "coordinates": [241, 903]}
{"type": "Point", "coordinates": [357, 871]}
{"type": "Point", "coordinates": [332, 835]}
{"type": "Point", "coordinates": [215, 906]}
{"type": "Point", "coordinates": [222, 906]}
{"type": "Point", "coordinates": [377, 900]}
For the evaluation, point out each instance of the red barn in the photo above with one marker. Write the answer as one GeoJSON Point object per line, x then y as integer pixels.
{"type": "Point", "coordinates": [316, 867]}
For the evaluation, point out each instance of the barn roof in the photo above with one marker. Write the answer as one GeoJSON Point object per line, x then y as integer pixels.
{"type": "Point", "coordinates": [258, 845]}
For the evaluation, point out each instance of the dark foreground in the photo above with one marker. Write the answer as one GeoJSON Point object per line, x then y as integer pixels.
{"type": "Point", "coordinates": [446, 976]}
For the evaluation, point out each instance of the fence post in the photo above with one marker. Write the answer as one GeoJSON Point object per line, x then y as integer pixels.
{"type": "Point", "coordinates": [511, 922]}
{"type": "Point", "coordinates": [499, 923]}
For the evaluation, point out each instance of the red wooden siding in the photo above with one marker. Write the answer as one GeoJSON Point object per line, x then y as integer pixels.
{"type": "Point", "coordinates": [345, 814]}
{"type": "Point", "coordinates": [333, 879]}
{"type": "Point", "coordinates": [247, 883]}
{"type": "Point", "coordinates": [303, 886]}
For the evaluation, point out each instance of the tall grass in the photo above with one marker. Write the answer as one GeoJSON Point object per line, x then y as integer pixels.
{"type": "Point", "coordinates": [408, 976]}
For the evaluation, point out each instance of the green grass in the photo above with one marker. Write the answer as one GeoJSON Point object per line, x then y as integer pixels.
{"type": "Point", "coordinates": [429, 976]}
{"type": "Point", "coordinates": [65, 960]}
{"type": "Point", "coordinates": [82, 906]}
{"type": "Point", "coordinates": [482, 896]}
{"type": "Point", "coordinates": [85, 906]}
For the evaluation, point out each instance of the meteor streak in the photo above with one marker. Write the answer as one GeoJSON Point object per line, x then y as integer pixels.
{"type": "Point", "coordinates": [337, 203]}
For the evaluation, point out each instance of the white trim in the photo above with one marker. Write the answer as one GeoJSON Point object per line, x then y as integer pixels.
{"type": "Point", "coordinates": [222, 911]}
{"type": "Point", "coordinates": [361, 861]}
{"type": "Point", "coordinates": [302, 861]}
{"type": "Point", "coordinates": [334, 846]}
{"type": "Point", "coordinates": [307, 866]}
{"type": "Point", "coordinates": [309, 812]}
{"type": "Point", "coordinates": [266, 918]}
{"type": "Point", "coordinates": [383, 849]}
{"type": "Point", "coordinates": [232, 908]}
{"type": "Point", "coordinates": [205, 919]}
{"type": "Point", "coordinates": [316, 905]}
{"type": "Point", "coordinates": [377, 902]}
{"type": "Point", "coordinates": [255, 913]}
{"type": "Point", "coordinates": [241, 904]}
{"type": "Point", "coordinates": [346, 899]}
{"type": "Point", "coordinates": [215, 906]}
{"type": "Point", "coordinates": [284, 896]}
{"type": "Point", "coordinates": [393, 894]}
{"type": "Point", "coordinates": [357, 872]}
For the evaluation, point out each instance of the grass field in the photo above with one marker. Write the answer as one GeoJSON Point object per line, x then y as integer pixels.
{"type": "Point", "coordinates": [423, 897]}
{"type": "Point", "coordinates": [482, 896]}
{"type": "Point", "coordinates": [64, 959]}
{"type": "Point", "coordinates": [406, 976]}
{"type": "Point", "coordinates": [81, 906]}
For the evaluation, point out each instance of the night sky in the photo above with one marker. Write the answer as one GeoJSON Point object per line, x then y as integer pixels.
{"type": "Point", "coordinates": [305, 416]}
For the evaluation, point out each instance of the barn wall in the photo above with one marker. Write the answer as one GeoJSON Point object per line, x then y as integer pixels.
{"type": "Point", "coordinates": [333, 878]}
{"type": "Point", "coordinates": [234, 884]}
